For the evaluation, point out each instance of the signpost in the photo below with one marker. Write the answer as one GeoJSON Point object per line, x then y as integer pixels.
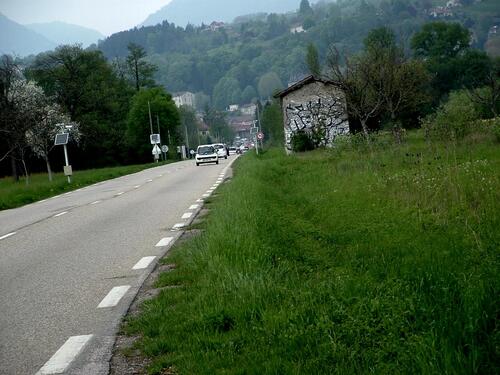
{"type": "Point", "coordinates": [156, 152]}
{"type": "Point", "coordinates": [62, 140]}
{"type": "Point", "coordinates": [164, 149]}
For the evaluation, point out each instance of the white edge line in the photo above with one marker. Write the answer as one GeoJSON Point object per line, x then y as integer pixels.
{"type": "Point", "coordinates": [7, 235]}
{"type": "Point", "coordinates": [187, 215]}
{"type": "Point", "coordinates": [61, 360]}
{"type": "Point", "coordinates": [179, 226]}
{"type": "Point", "coordinates": [114, 296]}
{"type": "Point", "coordinates": [144, 263]}
{"type": "Point", "coordinates": [164, 242]}
{"type": "Point", "coordinates": [61, 213]}
{"type": "Point", "coordinates": [194, 206]}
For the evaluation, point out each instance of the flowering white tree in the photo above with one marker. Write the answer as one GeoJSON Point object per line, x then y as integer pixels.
{"type": "Point", "coordinates": [40, 137]}
{"type": "Point", "coordinates": [36, 121]}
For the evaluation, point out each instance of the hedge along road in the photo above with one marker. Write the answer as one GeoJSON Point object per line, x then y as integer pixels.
{"type": "Point", "coordinates": [70, 266]}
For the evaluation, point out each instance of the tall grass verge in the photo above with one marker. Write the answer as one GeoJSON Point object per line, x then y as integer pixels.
{"type": "Point", "coordinates": [352, 261]}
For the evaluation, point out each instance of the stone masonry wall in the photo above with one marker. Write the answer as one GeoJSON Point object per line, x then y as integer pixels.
{"type": "Point", "coordinates": [315, 106]}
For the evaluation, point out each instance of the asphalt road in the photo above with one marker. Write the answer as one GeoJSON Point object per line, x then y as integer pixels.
{"type": "Point", "coordinates": [61, 257]}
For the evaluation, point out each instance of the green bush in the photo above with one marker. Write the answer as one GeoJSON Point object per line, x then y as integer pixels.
{"type": "Point", "coordinates": [454, 119]}
{"type": "Point", "coordinates": [301, 141]}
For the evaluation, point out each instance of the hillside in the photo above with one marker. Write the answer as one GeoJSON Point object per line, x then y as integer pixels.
{"type": "Point", "coordinates": [196, 12]}
{"type": "Point", "coordinates": [235, 62]}
{"type": "Point", "coordinates": [18, 39]}
{"type": "Point", "coordinates": [65, 33]}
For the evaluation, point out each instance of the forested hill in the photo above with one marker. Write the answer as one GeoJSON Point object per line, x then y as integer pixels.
{"type": "Point", "coordinates": [252, 56]}
{"type": "Point", "coordinates": [196, 12]}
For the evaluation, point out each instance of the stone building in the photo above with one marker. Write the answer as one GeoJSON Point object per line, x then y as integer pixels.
{"type": "Point", "coordinates": [316, 107]}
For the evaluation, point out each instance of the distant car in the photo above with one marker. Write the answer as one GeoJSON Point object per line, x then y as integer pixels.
{"type": "Point", "coordinates": [221, 150]}
{"type": "Point", "coordinates": [232, 150]}
{"type": "Point", "coordinates": [206, 154]}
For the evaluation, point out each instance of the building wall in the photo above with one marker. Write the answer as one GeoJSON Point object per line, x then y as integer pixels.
{"type": "Point", "coordinates": [187, 98]}
{"type": "Point", "coordinates": [315, 106]}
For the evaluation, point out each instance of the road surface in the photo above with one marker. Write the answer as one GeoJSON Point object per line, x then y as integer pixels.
{"type": "Point", "coordinates": [71, 265]}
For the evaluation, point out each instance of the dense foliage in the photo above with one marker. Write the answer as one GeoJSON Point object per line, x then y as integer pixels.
{"type": "Point", "coordinates": [238, 56]}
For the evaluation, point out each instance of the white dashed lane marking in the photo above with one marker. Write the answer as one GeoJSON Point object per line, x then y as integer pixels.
{"type": "Point", "coordinates": [7, 235]}
{"type": "Point", "coordinates": [149, 180]}
{"type": "Point", "coordinates": [187, 215]}
{"type": "Point", "coordinates": [179, 226]}
{"type": "Point", "coordinates": [164, 241]}
{"type": "Point", "coordinates": [114, 296]}
{"type": "Point", "coordinates": [194, 206]}
{"type": "Point", "coordinates": [61, 360]}
{"type": "Point", "coordinates": [120, 193]}
{"type": "Point", "coordinates": [96, 202]}
{"type": "Point", "coordinates": [137, 186]}
{"type": "Point", "coordinates": [61, 213]}
{"type": "Point", "coordinates": [143, 263]}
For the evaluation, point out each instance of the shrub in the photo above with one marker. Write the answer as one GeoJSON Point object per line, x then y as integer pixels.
{"type": "Point", "coordinates": [454, 119]}
{"type": "Point", "coordinates": [301, 141]}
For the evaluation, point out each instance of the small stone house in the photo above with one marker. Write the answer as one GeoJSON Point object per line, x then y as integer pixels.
{"type": "Point", "coordinates": [314, 106]}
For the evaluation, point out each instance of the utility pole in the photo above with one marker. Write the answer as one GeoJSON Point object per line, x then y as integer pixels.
{"type": "Point", "coordinates": [158, 123]}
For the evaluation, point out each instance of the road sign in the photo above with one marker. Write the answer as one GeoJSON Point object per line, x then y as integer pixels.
{"type": "Point", "coordinates": [260, 136]}
{"type": "Point", "coordinates": [156, 150]}
{"type": "Point", "coordinates": [61, 139]}
{"type": "Point", "coordinates": [155, 139]}
{"type": "Point", "coordinates": [164, 148]}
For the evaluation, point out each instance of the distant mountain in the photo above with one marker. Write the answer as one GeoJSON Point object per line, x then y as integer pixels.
{"type": "Point", "coordinates": [18, 39]}
{"type": "Point", "coordinates": [182, 12]}
{"type": "Point", "coordinates": [65, 33]}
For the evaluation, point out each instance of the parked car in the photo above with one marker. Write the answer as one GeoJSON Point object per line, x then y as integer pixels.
{"type": "Point", "coordinates": [221, 150]}
{"type": "Point", "coordinates": [206, 154]}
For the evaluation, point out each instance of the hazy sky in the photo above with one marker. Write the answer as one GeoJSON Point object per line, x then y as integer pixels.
{"type": "Point", "coordinates": [106, 16]}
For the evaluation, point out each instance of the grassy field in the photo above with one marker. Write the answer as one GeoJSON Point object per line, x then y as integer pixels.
{"type": "Point", "coordinates": [16, 194]}
{"type": "Point", "coordinates": [359, 260]}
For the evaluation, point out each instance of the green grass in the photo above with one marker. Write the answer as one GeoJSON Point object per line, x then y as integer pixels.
{"type": "Point", "coordinates": [353, 261]}
{"type": "Point", "coordinates": [16, 194]}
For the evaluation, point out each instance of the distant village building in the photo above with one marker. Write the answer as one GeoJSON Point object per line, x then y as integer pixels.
{"type": "Point", "coordinates": [297, 29]}
{"type": "Point", "coordinates": [242, 124]}
{"type": "Point", "coordinates": [248, 109]}
{"type": "Point", "coordinates": [216, 25]}
{"type": "Point", "coordinates": [314, 106]}
{"type": "Point", "coordinates": [184, 98]}
{"type": "Point", "coordinates": [233, 107]}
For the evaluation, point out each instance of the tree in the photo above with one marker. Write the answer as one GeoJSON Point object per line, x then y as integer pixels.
{"type": "Point", "coordinates": [312, 60]}
{"type": "Point", "coordinates": [227, 91]}
{"type": "Point", "coordinates": [481, 78]}
{"type": "Point", "coordinates": [85, 86]}
{"type": "Point", "coordinates": [51, 120]}
{"type": "Point", "coordinates": [272, 123]}
{"type": "Point", "coordinates": [189, 127]}
{"type": "Point", "coordinates": [401, 83]}
{"type": "Point", "coordinates": [357, 80]}
{"type": "Point", "coordinates": [440, 46]}
{"type": "Point", "coordinates": [9, 72]}
{"type": "Point", "coordinates": [140, 71]}
{"type": "Point", "coordinates": [305, 8]}
{"type": "Point", "coordinates": [217, 123]}
{"type": "Point", "coordinates": [163, 109]}
{"type": "Point", "coordinates": [248, 95]}
{"type": "Point", "coordinates": [269, 83]}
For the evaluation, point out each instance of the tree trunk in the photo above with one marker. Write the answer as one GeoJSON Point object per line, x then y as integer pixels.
{"type": "Point", "coordinates": [49, 170]}
{"type": "Point", "coordinates": [25, 171]}
{"type": "Point", "coordinates": [15, 175]}
{"type": "Point", "coordinates": [365, 129]}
